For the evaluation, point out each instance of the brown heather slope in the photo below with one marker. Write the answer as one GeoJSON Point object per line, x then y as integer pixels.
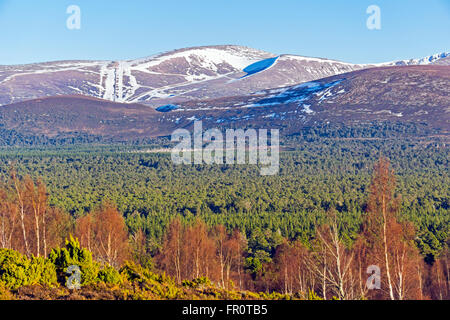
{"type": "Point", "coordinates": [67, 114]}
{"type": "Point", "coordinates": [418, 94]}
{"type": "Point", "coordinates": [407, 94]}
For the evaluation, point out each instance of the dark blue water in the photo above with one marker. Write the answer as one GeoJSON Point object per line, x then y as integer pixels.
{"type": "Point", "coordinates": [259, 66]}
{"type": "Point", "coordinates": [167, 108]}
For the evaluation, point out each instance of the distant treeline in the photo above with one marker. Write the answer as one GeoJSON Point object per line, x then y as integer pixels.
{"type": "Point", "coordinates": [377, 129]}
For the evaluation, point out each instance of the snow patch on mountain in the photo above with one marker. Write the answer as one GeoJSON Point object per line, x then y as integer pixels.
{"type": "Point", "coordinates": [207, 58]}
{"type": "Point", "coordinates": [307, 109]}
{"type": "Point", "coordinates": [108, 76]}
{"type": "Point", "coordinates": [413, 62]}
{"type": "Point", "coordinates": [320, 60]}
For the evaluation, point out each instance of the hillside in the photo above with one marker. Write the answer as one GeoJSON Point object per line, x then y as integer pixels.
{"type": "Point", "coordinates": [185, 74]}
{"type": "Point", "coordinates": [417, 95]}
{"type": "Point", "coordinates": [414, 94]}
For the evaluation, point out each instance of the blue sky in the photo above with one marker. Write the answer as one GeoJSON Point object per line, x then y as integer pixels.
{"type": "Point", "coordinates": [35, 30]}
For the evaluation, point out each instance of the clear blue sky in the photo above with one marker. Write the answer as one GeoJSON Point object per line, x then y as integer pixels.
{"type": "Point", "coordinates": [35, 30]}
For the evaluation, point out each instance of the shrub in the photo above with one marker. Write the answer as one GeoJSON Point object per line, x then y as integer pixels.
{"type": "Point", "coordinates": [197, 283]}
{"type": "Point", "coordinates": [131, 272]}
{"type": "Point", "coordinates": [109, 275]}
{"type": "Point", "coordinates": [16, 270]}
{"type": "Point", "coordinates": [313, 296]}
{"type": "Point", "coordinates": [73, 254]}
{"type": "Point", "coordinates": [43, 271]}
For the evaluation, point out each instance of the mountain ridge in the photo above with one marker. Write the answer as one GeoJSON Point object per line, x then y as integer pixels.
{"type": "Point", "coordinates": [409, 95]}
{"type": "Point", "coordinates": [194, 73]}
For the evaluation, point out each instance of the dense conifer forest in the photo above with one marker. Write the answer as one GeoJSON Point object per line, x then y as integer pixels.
{"type": "Point", "coordinates": [141, 227]}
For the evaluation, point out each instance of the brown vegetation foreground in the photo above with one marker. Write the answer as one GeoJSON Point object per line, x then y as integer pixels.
{"type": "Point", "coordinates": [327, 266]}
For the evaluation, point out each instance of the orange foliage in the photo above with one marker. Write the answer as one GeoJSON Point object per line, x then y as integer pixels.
{"type": "Point", "coordinates": [27, 223]}
{"type": "Point", "coordinates": [105, 234]}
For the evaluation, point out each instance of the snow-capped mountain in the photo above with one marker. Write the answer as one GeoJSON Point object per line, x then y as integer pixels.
{"type": "Point", "coordinates": [409, 95]}
{"type": "Point", "coordinates": [433, 59]}
{"type": "Point", "coordinates": [181, 75]}
{"type": "Point", "coordinates": [159, 76]}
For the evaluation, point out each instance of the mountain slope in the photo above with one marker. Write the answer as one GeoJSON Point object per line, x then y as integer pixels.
{"type": "Point", "coordinates": [413, 94]}
{"type": "Point", "coordinates": [126, 81]}
{"type": "Point", "coordinates": [69, 116]}
{"type": "Point", "coordinates": [180, 75]}
{"type": "Point", "coordinates": [408, 95]}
